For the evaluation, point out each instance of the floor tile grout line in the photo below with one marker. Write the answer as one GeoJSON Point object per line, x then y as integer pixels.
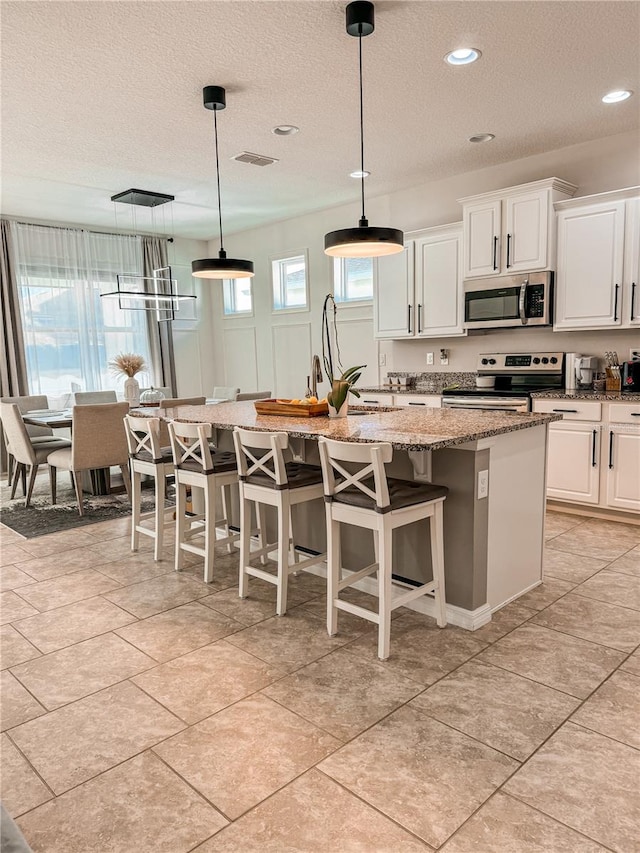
{"type": "Point", "coordinates": [587, 728]}
{"type": "Point", "coordinates": [566, 633]}
{"type": "Point", "coordinates": [604, 601]}
{"type": "Point", "coordinates": [158, 757]}
{"type": "Point", "coordinates": [31, 767]}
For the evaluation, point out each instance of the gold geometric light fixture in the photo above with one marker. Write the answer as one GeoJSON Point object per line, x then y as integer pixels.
{"type": "Point", "coordinates": [365, 241]}
{"type": "Point", "coordinates": [221, 267]}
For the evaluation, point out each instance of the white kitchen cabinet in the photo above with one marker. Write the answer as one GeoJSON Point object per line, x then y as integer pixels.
{"type": "Point", "coordinates": [623, 467]}
{"type": "Point", "coordinates": [512, 230]}
{"type": "Point", "coordinates": [367, 399]}
{"type": "Point", "coordinates": [573, 470]}
{"type": "Point", "coordinates": [428, 401]}
{"type": "Point", "coordinates": [598, 262]}
{"type": "Point", "coordinates": [418, 293]}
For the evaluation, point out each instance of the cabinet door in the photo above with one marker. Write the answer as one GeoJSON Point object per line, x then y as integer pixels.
{"type": "Point", "coordinates": [623, 473]}
{"type": "Point", "coordinates": [631, 310]}
{"type": "Point", "coordinates": [526, 232]}
{"type": "Point", "coordinates": [393, 305]}
{"type": "Point", "coordinates": [439, 291]}
{"type": "Point", "coordinates": [481, 226]}
{"type": "Point", "coordinates": [590, 259]}
{"type": "Point", "coordinates": [573, 469]}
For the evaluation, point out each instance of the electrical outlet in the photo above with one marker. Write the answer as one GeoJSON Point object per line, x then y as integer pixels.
{"type": "Point", "coordinates": [483, 484]}
{"type": "Point", "coordinates": [634, 355]}
{"type": "Point", "coordinates": [382, 359]}
{"type": "Point", "coordinates": [429, 358]}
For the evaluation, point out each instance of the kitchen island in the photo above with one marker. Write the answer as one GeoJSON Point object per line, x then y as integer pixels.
{"type": "Point", "coordinates": [493, 463]}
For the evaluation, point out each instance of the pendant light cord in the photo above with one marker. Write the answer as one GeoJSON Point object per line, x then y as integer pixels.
{"type": "Point", "coordinates": [222, 252]}
{"type": "Point", "coordinates": [363, 219]}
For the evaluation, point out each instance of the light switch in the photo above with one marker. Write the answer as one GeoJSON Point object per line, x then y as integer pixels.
{"type": "Point", "coordinates": [483, 484]}
{"type": "Point", "coordinates": [429, 358]}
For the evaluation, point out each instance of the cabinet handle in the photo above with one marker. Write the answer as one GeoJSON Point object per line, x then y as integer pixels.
{"type": "Point", "coordinates": [373, 402]}
{"type": "Point", "coordinates": [419, 318]}
{"type": "Point", "coordinates": [593, 449]}
{"type": "Point", "coordinates": [508, 250]}
{"type": "Point", "coordinates": [495, 253]}
{"type": "Point", "coordinates": [633, 299]}
{"type": "Point", "coordinates": [635, 414]}
{"type": "Point", "coordinates": [615, 304]}
{"type": "Point", "coordinates": [610, 448]}
{"type": "Point", "coordinates": [568, 411]}
{"type": "Point", "coordinates": [409, 319]}
{"type": "Point", "coordinates": [417, 404]}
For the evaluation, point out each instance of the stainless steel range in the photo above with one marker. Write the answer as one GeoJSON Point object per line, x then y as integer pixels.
{"type": "Point", "coordinates": [515, 377]}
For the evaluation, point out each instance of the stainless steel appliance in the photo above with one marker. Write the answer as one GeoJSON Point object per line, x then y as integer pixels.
{"type": "Point", "coordinates": [511, 300]}
{"type": "Point", "coordinates": [517, 376]}
{"type": "Point", "coordinates": [631, 376]}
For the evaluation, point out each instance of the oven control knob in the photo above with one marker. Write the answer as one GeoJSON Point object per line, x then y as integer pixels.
{"type": "Point", "coordinates": [545, 360]}
{"type": "Point", "coordinates": [485, 361]}
{"type": "Point", "coordinates": [553, 359]}
{"type": "Point", "coordinates": [492, 361]}
{"type": "Point", "coordinates": [536, 360]}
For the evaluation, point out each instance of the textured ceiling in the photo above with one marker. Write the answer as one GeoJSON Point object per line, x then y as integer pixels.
{"type": "Point", "coordinates": [102, 96]}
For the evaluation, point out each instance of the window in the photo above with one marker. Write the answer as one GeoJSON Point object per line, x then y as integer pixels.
{"type": "Point", "coordinates": [70, 333]}
{"type": "Point", "coordinates": [237, 296]}
{"type": "Point", "coordinates": [353, 279]}
{"type": "Point", "coordinates": [290, 283]}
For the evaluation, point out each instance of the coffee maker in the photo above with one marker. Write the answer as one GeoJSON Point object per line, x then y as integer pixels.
{"type": "Point", "coordinates": [585, 367]}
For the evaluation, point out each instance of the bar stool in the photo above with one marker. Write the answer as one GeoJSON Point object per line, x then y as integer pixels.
{"type": "Point", "coordinates": [367, 498]}
{"type": "Point", "coordinates": [267, 478]}
{"type": "Point", "coordinates": [196, 464]}
{"type": "Point", "coordinates": [147, 455]}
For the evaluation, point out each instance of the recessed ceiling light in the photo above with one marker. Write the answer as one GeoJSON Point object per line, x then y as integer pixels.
{"type": "Point", "coordinates": [616, 97]}
{"type": "Point", "coordinates": [359, 174]}
{"type": "Point", "coordinates": [463, 56]}
{"type": "Point", "coordinates": [482, 137]}
{"type": "Point", "coordinates": [285, 130]}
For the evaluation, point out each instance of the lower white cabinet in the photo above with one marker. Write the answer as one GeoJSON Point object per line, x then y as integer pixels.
{"type": "Point", "coordinates": [623, 467]}
{"type": "Point", "coordinates": [373, 399]}
{"type": "Point", "coordinates": [573, 472]}
{"type": "Point", "coordinates": [594, 453]}
{"type": "Point", "coordinates": [429, 401]}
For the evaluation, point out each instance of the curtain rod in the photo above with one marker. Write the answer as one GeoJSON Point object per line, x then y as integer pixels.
{"type": "Point", "coordinates": [88, 230]}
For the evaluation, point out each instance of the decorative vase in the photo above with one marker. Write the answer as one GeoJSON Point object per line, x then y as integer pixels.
{"type": "Point", "coordinates": [342, 412]}
{"type": "Point", "coordinates": [338, 399]}
{"type": "Point", "coordinates": [132, 391]}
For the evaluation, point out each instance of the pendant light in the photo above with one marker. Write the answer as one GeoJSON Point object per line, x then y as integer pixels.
{"type": "Point", "coordinates": [365, 241]}
{"type": "Point", "coordinates": [221, 267]}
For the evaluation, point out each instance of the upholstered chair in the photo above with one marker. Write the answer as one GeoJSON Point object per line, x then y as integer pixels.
{"type": "Point", "coordinates": [91, 398]}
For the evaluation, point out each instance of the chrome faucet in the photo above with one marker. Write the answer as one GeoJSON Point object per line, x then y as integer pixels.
{"type": "Point", "coordinates": [316, 374]}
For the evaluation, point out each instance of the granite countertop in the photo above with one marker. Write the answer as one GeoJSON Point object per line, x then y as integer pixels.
{"type": "Point", "coordinates": [428, 429]}
{"type": "Point", "coordinates": [433, 390]}
{"type": "Point", "coordinates": [612, 397]}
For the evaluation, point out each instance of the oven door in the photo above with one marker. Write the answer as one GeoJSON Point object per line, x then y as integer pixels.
{"type": "Point", "coordinates": [487, 404]}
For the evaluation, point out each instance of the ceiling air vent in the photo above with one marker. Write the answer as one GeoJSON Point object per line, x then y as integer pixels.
{"type": "Point", "coordinates": [254, 159]}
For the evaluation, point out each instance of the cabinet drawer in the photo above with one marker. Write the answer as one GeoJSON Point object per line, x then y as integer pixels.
{"type": "Point", "coordinates": [571, 410]}
{"type": "Point", "coordinates": [373, 399]}
{"type": "Point", "coordinates": [624, 413]}
{"type": "Point", "coordinates": [429, 401]}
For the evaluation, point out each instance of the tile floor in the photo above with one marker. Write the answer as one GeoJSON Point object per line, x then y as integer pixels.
{"type": "Point", "coordinates": [146, 711]}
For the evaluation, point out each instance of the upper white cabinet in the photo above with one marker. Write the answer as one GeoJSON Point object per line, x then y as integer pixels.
{"type": "Point", "coordinates": [598, 261]}
{"type": "Point", "coordinates": [512, 230]}
{"type": "Point", "coordinates": [418, 293]}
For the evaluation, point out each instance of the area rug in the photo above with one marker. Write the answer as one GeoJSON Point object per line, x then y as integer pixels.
{"type": "Point", "coordinates": [41, 517]}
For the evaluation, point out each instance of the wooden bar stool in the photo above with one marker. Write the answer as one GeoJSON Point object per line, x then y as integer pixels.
{"type": "Point", "coordinates": [367, 498]}
{"type": "Point", "coordinates": [199, 465]}
{"type": "Point", "coordinates": [267, 478]}
{"type": "Point", "coordinates": [147, 455]}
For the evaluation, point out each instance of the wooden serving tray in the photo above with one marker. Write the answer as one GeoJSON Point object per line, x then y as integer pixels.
{"type": "Point", "coordinates": [295, 410]}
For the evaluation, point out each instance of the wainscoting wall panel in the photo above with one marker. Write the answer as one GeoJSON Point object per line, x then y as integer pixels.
{"type": "Point", "coordinates": [240, 358]}
{"type": "Point", "coordinates": [291, 358]}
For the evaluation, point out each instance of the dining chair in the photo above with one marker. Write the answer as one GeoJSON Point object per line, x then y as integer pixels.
{"type": "Point", "coordinates": [254, 395]}
{"type": "Point", "coordinates": [98, 441]}
{"type": "Point", "coordinates": [27, 404]}
{"type": "Point", "coordinates": [91, 398]}
{"type": "Point", "coordinates": [174, 402]}
{"type": "Point", "coordinates": [358, 493]}
{"type": "Point", "coordinates": [26, 452]}
{"type": "Point", "coordinates": [222, 393]}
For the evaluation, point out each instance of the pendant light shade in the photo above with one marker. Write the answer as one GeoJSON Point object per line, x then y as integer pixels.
{"type": "Point", "coordinates": [363, 241]}
{"type": "Point", "coordinates": [214, 98]}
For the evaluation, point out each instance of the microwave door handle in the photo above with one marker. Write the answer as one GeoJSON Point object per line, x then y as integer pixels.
{"type": "Point", "coordinates": [521, 301]}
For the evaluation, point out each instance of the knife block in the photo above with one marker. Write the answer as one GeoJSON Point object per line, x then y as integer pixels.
{"type": "Point", "coordinates": [614, 383]}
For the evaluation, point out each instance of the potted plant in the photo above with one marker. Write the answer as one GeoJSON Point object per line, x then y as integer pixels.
{"type": "Point", "coordinates": [128, 364]}
{"type": "Point", "coordinates": [342, 381]}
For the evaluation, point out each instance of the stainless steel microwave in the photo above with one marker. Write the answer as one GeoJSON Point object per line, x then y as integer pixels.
{"type": "Point", "coordinates": [510, 300]}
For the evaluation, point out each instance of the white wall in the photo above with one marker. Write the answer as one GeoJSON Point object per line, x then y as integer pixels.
{"type": "Point", "coordinates": [596, 166]}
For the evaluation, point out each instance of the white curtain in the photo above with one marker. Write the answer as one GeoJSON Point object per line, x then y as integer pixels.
{"type": "Point", "coordinates": [70, 333]}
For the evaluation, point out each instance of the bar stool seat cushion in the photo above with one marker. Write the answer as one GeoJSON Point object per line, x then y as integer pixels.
{"type": "Point", "coordinates": [145, 456]}
{"type": "Point", "coordinates": [223, 460]}
{"type": "Point", "coordinates": [298, 475]}
{"type": "Point", "coordinates": [402, 493]}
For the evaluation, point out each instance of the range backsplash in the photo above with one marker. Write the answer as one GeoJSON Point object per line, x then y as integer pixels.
{"type": "Point", "coordinates": [434, 380]}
